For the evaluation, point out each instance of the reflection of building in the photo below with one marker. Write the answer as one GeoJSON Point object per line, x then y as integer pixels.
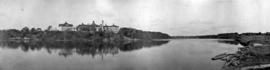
{"type": "Point", "coordinates": [65, 52]}
{"type": "Point", "coordinates": [97, 28]}
{"type": "Point", "coordinates": [66, 27]}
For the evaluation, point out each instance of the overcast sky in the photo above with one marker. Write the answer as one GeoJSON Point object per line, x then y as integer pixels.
{"type": "Point", "coordinates": [175, 17]}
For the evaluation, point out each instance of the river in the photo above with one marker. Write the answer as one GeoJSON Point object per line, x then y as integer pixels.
{"type": "Point", "coordinates": [175, 54]}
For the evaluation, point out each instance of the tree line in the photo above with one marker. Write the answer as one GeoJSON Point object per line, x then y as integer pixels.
{"type": "Point", "coordinates": [39, 34]}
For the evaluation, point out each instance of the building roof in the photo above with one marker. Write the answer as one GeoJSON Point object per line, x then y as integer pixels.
{"type": "Point", "coordinates": [114, 25]}
{"type": "Point", "coordinates": [93, 24]}
{"type": "Point", "coordinates": [65, 25]}
{"type": "Point", "coordinates": [82, 24]}
{"type": "Point", "coordinates": [106, 25]}
{"type": "Point", "coordinates": [87, 25]}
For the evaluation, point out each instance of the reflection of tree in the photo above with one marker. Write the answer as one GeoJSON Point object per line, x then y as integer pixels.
{"type": "Point", "coordinates": [140, 44]}
{"type": "Point", "coordinates": [228, 42]}
{"type": "Point", "coordinates": [255, 56]}
{"type": "Point", "coordinates": [82, 48]}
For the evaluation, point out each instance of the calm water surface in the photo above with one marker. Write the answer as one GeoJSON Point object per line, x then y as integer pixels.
{"type": "Point", "coordinates": [179, 54]}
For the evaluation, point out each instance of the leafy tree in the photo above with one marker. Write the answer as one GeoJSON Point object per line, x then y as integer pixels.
{"type": "Point", "coordinates": [33, 30]}
{"type": "Point", "coordinates": [25, 31]}
{"type": "Point", "coordinates": [39, 29]}
{"type": "Point", "coordinates": [49, 28]}
{"type": "Point", "coordinates": [139, 34]}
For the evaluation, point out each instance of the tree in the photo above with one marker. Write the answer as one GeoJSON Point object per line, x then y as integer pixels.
{"type": "Point", "coordinates": [25, 31]}
{"type": "Point", "coordinates": [33, 30]}
{"type": "Point", "coordinates": [12, 33]}
{"type": "Point", "coordinates": [39, 29]}
{"type": "Point", "coordinates": [49, 28]}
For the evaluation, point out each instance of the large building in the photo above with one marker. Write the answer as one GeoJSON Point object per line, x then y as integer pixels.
{"type": "Point", "coordinates": [97, 28]}
{"type": "Point", "coordinates": [112, 28]}
{"type": "Point", "coordinates": [66, 27]}
{"type": "Point", "coordinates": [87, 27]}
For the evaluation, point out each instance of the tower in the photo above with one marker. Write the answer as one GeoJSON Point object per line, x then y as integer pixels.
{"type": "Point", "coordinates": [102, 25]}
{"type": "Point", "coordinates": [93, 22]}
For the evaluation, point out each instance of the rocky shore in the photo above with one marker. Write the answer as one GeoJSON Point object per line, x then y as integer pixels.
{"type": "Point", "coordinates": [251, 57]}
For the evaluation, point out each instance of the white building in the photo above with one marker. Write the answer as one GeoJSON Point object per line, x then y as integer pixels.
{"type": "Point", "coordinates": [66, 27]}
{"type": "Point", "coordinates": [112, 28]}
{"type": "Point", "coordinates": [97, 28]}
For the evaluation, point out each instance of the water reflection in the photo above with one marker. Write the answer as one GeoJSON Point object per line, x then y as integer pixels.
{"type": "Point", "coordinates": [81, 48]}
{"type": "Point", "coordinates": [175, 54]}
{"type": "Point", "coordinates": [232, 42]}
{"type": "Point", "coordinates": [255, 56]}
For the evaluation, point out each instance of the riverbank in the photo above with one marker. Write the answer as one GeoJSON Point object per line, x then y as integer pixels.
{"type": "Point", "coordinates": [213, 36]}
{"type": "Point", "coordinates": [243, 38]}
{"type": "Point", "coordinates": [251, 39]}
{"type": "Point", "coordinates": [124, 34]}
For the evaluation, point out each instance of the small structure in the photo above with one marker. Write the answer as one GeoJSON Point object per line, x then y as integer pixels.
{"type": "Point", "coordinates": [66, 27]}
{"type": "Point", "coordinates": [100, 28]}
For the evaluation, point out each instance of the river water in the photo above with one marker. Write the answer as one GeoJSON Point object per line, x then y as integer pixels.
{"type": "Point", "coordinates": [176, 54]}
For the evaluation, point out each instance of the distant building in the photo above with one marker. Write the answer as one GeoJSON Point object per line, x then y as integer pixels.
{"type": "Point", "coordinates": [54, 29]}
{"type": "Point", "coordinates": [97, 28]}
{"type": "Point", "coordinates": [86, 27]}
{"type": "Point", "coordinates": [66, 27]}
{"type": "Point", "coordinates": [51, 28]}
{"type": "Point", "coordinates": [112, 28]}
{"type": "Point", "coordinates": [101, 27]}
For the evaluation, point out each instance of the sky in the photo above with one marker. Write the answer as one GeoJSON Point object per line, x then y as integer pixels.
{"type": "Point", "coordinates": [175, 17]}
